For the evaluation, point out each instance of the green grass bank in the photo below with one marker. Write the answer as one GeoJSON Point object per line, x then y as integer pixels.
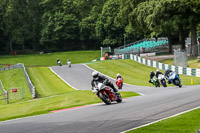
{"type": "Point", "coordinates": [185, 123]}
{"type": "Point", "coordinates": [12, 79]}
{"type": "Point", "coordinates": [49, 59]}
{"type": "Point", "coordinates": [133, 72]}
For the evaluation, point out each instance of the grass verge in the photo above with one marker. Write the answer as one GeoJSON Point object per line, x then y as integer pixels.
{"type": "Point", "coordinates": [15, 79]}
{"type": "Point", "coordinates": [49, 59]}
{"type": "Point", "coordinates": [46, 82]}
{"type": "Point", "coordinates": [43, 106]}
{"type": "Point", "coordinates": [133, 72]}
{"type": "Point", "coordinates": [185, 123]}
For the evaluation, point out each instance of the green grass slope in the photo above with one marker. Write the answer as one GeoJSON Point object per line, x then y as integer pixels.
{"type": "Point", "coordinates": [49, 59]}
{"type": "Point", "coordinates": [46, 82]}
{"type": "Point", "coordinates": [133, 72]}
{"type": "Point", "coordinates": [15, 78]}
{"type": "Point", "coordinates": [185, 123]}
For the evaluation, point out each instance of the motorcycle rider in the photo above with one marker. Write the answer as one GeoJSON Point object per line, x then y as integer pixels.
{"type": "Point", "coordinates": [167, 72]}
{"type": "Point", "coordinates": [152, 74]}
{"type": "Point", "coordinates": [58, 60]}
{"type": "Point", "coordinates": [119, 76]}
{"type": "Point", "coordinates": [102, 79]}
{"type": "Point", "coordinates": [69, 62]}
{"type": "Point", "coordinates": [158, 72]}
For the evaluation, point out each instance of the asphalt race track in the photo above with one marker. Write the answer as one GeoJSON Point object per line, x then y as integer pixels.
{"type": "Point", "coordinates": [153, 105]}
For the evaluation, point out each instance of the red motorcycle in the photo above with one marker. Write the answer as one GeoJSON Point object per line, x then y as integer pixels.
{"type": "Point", "coordinates": [119, 83]}
{"type": "Point", "coordinates": [105, 93]}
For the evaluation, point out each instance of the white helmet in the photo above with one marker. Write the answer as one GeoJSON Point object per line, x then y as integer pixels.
{"type": "Point", "coordinates": [95, 75]}
{"type": "Point", "coordinates": [157, 70]}
{"type": "Point", "coordinates": [118, 74]}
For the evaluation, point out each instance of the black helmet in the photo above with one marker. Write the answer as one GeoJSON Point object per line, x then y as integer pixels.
{"type": "Point", "coordinates": [152, 73]}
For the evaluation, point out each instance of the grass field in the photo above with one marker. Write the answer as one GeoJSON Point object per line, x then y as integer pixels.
{"type": "Point", "coordinates": [49, 59]}
{"type": "Point", "coordinates": [46, 82]}
{"type": "Point", "coordinates": [133, 72]}
{"type": "Point", "coordinates": [192, 62]}
{"type": "Point", "coordinates": [15, 79]}
{"type": "Point", "coordinates": [185, 123]}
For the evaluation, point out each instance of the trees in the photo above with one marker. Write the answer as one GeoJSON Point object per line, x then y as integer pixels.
{"type": "Point", "coordinates": [193, 13]}
{"type": "Point", "coordinates": [88, 23]}
{"type": "Point", "coordinates": [59, 22]}
{"type": "Point", "coordinates": [18, 23]}
{"type": "Point", "coordinates": [83, 24]}
{"type": "Point", "coordinates": [162, 17]}
{"type": "Point", "coordinates": [107, 30]}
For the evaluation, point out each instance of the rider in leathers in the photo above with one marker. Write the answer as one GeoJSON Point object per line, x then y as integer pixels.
{"type": "Point", "coordinates": [102, 79]}
{"type": "Point", "coordinates": [157, 73]}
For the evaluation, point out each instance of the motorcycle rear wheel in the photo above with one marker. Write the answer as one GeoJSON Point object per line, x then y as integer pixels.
{"type": "Point", "coordinates": [105, 98]}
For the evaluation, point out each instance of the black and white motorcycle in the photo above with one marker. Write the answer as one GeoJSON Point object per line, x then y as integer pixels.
{"type": "Point", "coordinates": [162, 80]}
{"type": "Point", "coordinates": [69, 63]}
{"type": "Point", "coordinates": [59, 63]}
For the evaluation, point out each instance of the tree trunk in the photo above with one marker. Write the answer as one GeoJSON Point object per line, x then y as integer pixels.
{"type": "Point", "coordinates": [181, 37]}
{"type": "Point", "coordinates": [194, 46]}
{"type": "Point", "coordinates": [23, 46]}
{"type": "Point", "coordinates": [170, 42]}
{"type": "Point", "coordinates": [10, 44]}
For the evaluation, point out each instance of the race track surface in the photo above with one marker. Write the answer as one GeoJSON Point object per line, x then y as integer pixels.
{"type": "Point", "coordinates": [154, 104]}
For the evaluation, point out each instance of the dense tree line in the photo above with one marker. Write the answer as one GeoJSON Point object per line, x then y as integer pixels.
{"type": "Point", "coordinates": [60, 25]}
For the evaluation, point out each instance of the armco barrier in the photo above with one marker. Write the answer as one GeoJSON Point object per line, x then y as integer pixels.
{"type": "Point", "coordinates": [20, 65]}
{"type": "Point", "coordinates": [4, 93]}
{"type": "Point", "coordinates": [161, 66]}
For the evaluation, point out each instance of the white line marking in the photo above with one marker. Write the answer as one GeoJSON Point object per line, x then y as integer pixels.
{"type": "Point", "coordinates": [161, 119]}
{"type": "Point", "coordinates": [63, 79]}
{"type": "Point", "coordinates": [104, 74]}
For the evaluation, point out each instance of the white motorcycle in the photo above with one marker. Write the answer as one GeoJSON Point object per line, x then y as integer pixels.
{"type": "Point", "coordinates": [69, 63]}
{"type": "Point", "coordinates": [59, 63]}
{"type": "Point", "coordinates": [162, 80]}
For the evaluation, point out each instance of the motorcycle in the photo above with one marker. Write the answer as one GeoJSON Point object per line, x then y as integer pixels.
{"type": "Point", "coordinates": [69, 63]}
{"type": "Point", "coordinates": [119, 83]}
{"type": "Point", "coordinates": [155, 82]}
{"type": "Point", "coordinates": [105, 93]}
{"type": "Point", "coordinates": [59, 63]}
{"type": "Point", "coordinates": [162, 80]}
{"type": "Point", "coordinates": [175, 79]}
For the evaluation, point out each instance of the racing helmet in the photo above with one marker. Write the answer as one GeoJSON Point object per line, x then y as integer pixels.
{"type": "Point", "coordinates": [157, 70]}
{"type": "Point", "coordinates": [152, 73]}
{"type": "Point", "coordinates": [167, 69]}
{"type": "Point", "coordinates": [118, 74]}
{"type": "Point", "coordinates": [95, 75]}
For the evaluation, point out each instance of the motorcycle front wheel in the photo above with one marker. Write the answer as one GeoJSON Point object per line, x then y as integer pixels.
{"type": "Point", "coordinates": [119, 98]}
{"type": "Point", "coordinates": [105, 98]}
{"type": "Point", "coordinates": [164, 83]}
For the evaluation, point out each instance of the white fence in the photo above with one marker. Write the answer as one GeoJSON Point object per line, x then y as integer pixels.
{"type": "Point", "coordinates": [177, 69]}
